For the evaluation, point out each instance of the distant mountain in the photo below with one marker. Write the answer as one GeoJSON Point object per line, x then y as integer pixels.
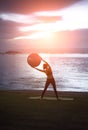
{"type": "Point", "coordinates": [13, 52]}
{"type": "Point", "coordinates": [59, 50]}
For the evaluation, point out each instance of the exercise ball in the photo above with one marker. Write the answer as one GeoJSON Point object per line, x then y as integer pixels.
{"type": "Point", "coordinates": [34, 60]}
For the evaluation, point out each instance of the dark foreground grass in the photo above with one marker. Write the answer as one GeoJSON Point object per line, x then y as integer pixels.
{"type": "Point", "coordinates": [18, 112]}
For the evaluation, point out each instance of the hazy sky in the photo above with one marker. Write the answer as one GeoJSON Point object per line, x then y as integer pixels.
{"type": "Point", "coordinates": [44, 24]}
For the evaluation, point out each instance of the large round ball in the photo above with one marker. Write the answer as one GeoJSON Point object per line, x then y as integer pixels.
{"type": "Point", "coordinates": [34, 59]}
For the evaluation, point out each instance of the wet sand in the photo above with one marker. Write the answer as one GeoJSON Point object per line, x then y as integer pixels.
{"type": "Point", "coordinates": [18, 112]}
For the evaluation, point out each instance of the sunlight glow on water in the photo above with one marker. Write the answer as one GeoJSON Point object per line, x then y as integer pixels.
{"type": "Point", "coordinates": [70, 72]}
{"type": "Point", "coordinates": [64, 55]}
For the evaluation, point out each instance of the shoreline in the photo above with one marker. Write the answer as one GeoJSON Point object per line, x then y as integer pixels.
{"type": "Point", "coordinates": [48, 93]}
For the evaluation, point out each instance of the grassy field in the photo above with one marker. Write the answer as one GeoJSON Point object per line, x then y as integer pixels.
{"type": "Point", "coordinates": [18, 112]}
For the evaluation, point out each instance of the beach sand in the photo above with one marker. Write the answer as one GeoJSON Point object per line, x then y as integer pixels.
{"type": "Point", "coordinates": [18, 112]}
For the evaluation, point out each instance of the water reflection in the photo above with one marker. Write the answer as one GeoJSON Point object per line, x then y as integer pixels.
{"type": "Point", "coordinates": [70, 72]}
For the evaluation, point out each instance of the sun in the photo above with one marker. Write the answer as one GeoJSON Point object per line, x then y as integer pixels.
{"type": "Point", "coordinates": [40, 35]}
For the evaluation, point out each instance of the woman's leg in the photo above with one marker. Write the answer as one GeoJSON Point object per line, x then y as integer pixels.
{"type": "Point", "coordinates": [54, 87]}
{"type": "Point", "coordinates": [46, 86]}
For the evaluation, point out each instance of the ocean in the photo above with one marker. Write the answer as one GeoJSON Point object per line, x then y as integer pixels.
{"type": "Point", "coordinates": [70, 72]}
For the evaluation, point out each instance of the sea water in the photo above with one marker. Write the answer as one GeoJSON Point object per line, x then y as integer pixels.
{"type": "Point", "coordinates": [70, 72]}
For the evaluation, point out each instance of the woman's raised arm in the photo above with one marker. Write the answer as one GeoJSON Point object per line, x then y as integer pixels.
{"type": "Point", "coordinates": [39, 69]}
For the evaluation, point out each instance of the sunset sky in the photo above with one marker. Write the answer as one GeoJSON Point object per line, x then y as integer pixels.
{"type": "Point", "coordinates": [37, 24]}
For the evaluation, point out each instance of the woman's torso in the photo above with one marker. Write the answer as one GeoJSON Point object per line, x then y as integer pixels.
{"type": "Point", "coordinates": [48, 72]}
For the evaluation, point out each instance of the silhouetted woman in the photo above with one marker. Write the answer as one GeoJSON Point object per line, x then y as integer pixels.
{"type": "Point", "coordinates": [50, 79]}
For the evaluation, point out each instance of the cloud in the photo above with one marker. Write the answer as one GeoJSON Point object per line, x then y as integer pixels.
{"type": "Point", "coordinates": [8, 29]}
{"type": "Point", "coordinates": [19, 18]}
{"type": "Point", "coordinates": [29, 6]}
{"type": "Point", "coordinates": [27, 18]}
{"type": "Point", "coordinates": [32, 21]}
